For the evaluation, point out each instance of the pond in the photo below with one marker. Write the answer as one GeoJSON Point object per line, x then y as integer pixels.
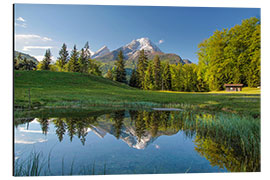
{"type": "Point", "coordinates": [128, 142]}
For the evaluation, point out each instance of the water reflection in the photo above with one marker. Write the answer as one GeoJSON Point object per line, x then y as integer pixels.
{"type": "Point", "coordinates": [138, 129]}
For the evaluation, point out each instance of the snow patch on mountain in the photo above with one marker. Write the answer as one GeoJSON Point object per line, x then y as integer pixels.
{"type": "Point", "coordinates": [140, 44]}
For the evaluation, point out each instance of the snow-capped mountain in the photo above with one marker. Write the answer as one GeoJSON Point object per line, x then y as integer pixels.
{"type": "Point", "coordinates": [140, 44]}
{"type": "Point", "coordinates": [131, 52]}
{"type": "Point", "coordinates": [132, 49]}
{"type": "Point", "coordinates": [102, 51]}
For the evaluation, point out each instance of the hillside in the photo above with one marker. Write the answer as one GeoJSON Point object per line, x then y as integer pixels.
{"type": "Point", "coordinates": [63, 89]}
{"type": "Point", "coordinates": [28, 57]}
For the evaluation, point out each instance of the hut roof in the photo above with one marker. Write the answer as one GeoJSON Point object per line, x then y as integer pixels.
{"type": "Point", "coordinates": [233, 85]}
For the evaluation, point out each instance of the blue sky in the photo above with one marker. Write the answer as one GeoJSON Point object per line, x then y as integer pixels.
{"type": "Point", "coordinates": [173, 29]}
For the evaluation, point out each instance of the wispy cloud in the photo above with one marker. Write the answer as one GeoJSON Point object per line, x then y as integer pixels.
{"type": "Point", "coordinates": [30, 142]}
{"type": "Point", "coordinates": [20, 22]}
{"type": "Point", "coordinates": [161, 41]}
{"type": "Point", "coordinates": [21, 25]}
{"type": "Point", "coordinates": [31, 37]}
{"type": "Point", "coordinates": [21, 129]}
{"type": "Point", "coordinates": [20, 19]}
{"type": "Point", "coordinates": [28, 48]}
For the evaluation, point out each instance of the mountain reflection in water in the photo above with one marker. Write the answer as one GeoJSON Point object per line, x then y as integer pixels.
{"type": "Point", "coordinates": [139, 129]}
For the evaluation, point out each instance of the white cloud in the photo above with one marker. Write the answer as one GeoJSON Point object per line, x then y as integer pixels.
{"type": "Point", "coordinates": [20, 22]}
{"type": "Point", "coordinates": [21, 25]}
{"type": "Point", "coordinates": [19, 37]}
{"type": "Point", "coordinates": [160, 41]}
{"type": "Point", "coordinates": [27, 48]}
{"type": "Point", "coordinates": [30, 142]}
{"type": "Point", "coordinates": [20, 19]}
{"type": "Point", "coordinates": [21, 129]}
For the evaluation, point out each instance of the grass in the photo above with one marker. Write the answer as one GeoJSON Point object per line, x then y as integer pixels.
{"type": "Point", "coordinates": [73, 90]}
{"type": "Point", "coordinates": [225, 140]}
{"type": "Point", "coordinates": [37, 165]}
{"type": "Point", "coordinates": [235, 135]}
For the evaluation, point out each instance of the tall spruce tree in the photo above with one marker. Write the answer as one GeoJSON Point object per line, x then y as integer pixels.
{"type": "Point", "coordinates": [120, 68]}
{"type": "Point", "coordinates": [87, 51]}
{"type": "Point", "coordinates": [141, 68]}
{"type": "Point", "coordinates": [72, 65]}
{"type": "Point", "coordinates": [177, 77]}
{"type": "Point", "coordinates": [157, 73]}
{"type": "Point", "coordinates": [83, 62]}
{"type": "Point", "coordinates": [87, 57]}
{"type": "Point", "coordinates": [149, 80]}
{"type": "Point", "coordinates": [45, 63]}
{"type": "Point", "coordinates": [166, 77]}
{"type": "Point", "coordinates": [63, 57]}
{"type": "Point", "coordinates": [134, 82]}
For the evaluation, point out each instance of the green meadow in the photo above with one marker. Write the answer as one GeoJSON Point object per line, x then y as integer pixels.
{"type": "Point", "coordinates": [47, 89]}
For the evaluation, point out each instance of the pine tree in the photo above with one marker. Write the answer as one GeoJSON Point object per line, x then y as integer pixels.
{"type": "Point", "coordinates": [141, 68]}
{"type": "Point", "coordinates": [120, 68]}
{"type": "Point", "coordinates": [63, 58]}
{"type": "Point", "coordinates": [72, 65]}
{"type": "Point", "coordinates": [83, 62]}
{"type": "Point", "coordinates": [149, 80]}
{"type": "Point", "coordinates": [166, 77]}
{"type": "Point", "coordinates": [87, 51]}
{"type": "Point", "coordinates": [177, 81]}
{"type": "Point", "coordinates": [157, 73]}
{"type": "Point", "coordinates": [86, 64]}
{"type": "Point", "coordinates": [45, 63]}
{"type": "Point", "coordinates": [133, 82]}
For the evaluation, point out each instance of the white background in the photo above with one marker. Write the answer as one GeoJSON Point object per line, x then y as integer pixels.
{"type": "Point", "coordinates": [7, 87]}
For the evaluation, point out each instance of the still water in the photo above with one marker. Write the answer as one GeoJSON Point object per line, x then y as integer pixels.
{"type": "Point", "coordinates": [118, 142]}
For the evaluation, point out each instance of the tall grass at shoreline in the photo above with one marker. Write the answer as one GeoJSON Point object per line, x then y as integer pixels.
{"type": "Point", "coordinates": [239, 135]}
{"type": "Point", "coordinates": [38, 165]}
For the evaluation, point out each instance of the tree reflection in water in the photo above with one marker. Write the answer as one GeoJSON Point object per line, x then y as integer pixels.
{"type": "Point", "coordinates": [226, 141]}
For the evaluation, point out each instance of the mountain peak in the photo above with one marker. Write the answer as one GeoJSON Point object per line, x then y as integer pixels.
{"type": "Point", "coordinates": [140, 44]}
{"type": "Point", "coordinates": [102, 51]}
{"type": "Point", "coordinates": [143, 39]}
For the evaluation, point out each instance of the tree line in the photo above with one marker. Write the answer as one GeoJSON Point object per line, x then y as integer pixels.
{"type": "Point", "coordinates": [77, 61]}
{"type": "Point", "coordinates": [156, 75]}
{"type": "Point", "coordinates": [228, 56]}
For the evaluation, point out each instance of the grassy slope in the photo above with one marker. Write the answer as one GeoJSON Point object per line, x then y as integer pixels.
{"type": "Point", "coordinates": [58, 89]}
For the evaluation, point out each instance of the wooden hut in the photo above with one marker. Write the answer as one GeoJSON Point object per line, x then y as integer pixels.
{"type": "Point", "coordinates": [233, 87]}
